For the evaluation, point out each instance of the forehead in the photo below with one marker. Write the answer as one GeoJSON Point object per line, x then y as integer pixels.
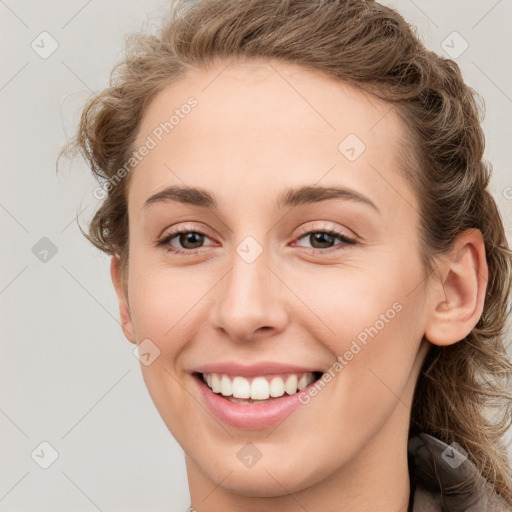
{"type": "Point", "coordinates": [263, 122]}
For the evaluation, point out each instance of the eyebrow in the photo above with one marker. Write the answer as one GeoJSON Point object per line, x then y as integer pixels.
{"type": "Point", "coordinates": [308, 194]}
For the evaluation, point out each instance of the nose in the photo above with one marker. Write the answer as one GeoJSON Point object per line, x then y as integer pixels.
{"type": "Point", "coordinates": [250, 301]}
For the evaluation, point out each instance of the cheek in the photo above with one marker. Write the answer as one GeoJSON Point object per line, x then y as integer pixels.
{"type": "Point", "coordinates": [161, 300]}
{"type": "Point", "coordinates": [378, 359]}
{"type": "Point", "coordinates": [345, 302]}
{"type": "Point", "coordinates": [378, 327]}
{"type": "Point", "coordinates": [372, 320]}
{"type": "Point", "coordinates": [373, 374]}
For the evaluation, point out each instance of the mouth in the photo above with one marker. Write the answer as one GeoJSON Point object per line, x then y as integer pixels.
{"type": "Point", "coordinates": [261, 397]}
{"type": "Point", "coordinates": [259, 389]}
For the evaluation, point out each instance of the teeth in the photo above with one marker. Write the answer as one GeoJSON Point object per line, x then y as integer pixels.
{"type": "Point", "coordinates": [276, 387]}
{"type": "Point", "coordinates": [257, 388]}
{"type": "Point", "coordinates": [260, 390]}
{"type": "Point", "coordinates": [225, 386]}
{"type": "Point", "coordinates": [241, 387]}
{"type": "Point", "coordinates": [215, 383]}
{"type": "Point", "coordinates": [291, 385]}
{"type": "Point", "coordinates": [303, 382]}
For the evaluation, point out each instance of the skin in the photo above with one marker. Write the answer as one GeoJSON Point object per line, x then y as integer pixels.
{"type": "Point", "coordinates": [259, 128]}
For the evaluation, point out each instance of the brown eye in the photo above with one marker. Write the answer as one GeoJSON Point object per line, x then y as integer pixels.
{"type": "Point", "coordinates": [189, 241]}
{"type": "Point", "coordinates": [320, 239]}
{"type": "Point", "coordinates": [324, 239]}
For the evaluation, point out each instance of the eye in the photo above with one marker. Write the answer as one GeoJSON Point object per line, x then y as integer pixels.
{"type": "Point", "coordinates": [192, 240]}
{"type": "Point", "coordinates": [322, 240]}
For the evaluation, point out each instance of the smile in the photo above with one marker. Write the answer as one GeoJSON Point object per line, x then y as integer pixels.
{"type": "Point", "coordinates": [255, 402]}
{"type": "Point", "coordinates": [257, 389]}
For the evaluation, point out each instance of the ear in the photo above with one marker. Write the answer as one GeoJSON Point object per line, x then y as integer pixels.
{"type": "Point", "coordinates": [124, 308]}
{"type": "Point", "coordinates": [457, 301]}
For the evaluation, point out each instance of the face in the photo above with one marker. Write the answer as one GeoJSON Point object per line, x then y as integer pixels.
{"type": "Point", "coordinates": [271, 279]}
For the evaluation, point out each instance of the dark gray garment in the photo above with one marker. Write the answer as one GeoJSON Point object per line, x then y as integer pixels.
{"type": "Point", "coordinates": [444, 480]}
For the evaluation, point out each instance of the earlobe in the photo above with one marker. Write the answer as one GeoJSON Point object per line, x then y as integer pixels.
{"type": "Point", "coordinates": [457, 301]}
{"type": "Point", "coordinates": [124, 308]}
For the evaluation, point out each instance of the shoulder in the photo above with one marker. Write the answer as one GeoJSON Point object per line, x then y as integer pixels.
{"type": "Point", "coordinates": [444, 479]}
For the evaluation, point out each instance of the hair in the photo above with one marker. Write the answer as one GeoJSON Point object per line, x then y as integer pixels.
{"type": "Point", "coordinates": [463, 391]}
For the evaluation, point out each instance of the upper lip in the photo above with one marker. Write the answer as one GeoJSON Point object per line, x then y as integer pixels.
{"type": "Point", "coordinates": [253, 370]}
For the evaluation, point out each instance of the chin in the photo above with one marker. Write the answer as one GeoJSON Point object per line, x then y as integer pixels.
{"type": "Point", "coordinates": [277, 476]}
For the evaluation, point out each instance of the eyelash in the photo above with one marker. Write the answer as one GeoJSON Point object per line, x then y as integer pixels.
{"type": "Point", "coordinates": [310, 250]}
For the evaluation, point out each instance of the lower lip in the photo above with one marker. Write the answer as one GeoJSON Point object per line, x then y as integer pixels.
{"type": "Point", "coordinates": [256, 416]}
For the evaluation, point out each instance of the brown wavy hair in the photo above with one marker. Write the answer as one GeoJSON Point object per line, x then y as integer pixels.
{"type": "Point", "coordinates": [463, 392]}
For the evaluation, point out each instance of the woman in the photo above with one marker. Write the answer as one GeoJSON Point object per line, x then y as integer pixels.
{"type": "Point", "coordinates": [356, 375]}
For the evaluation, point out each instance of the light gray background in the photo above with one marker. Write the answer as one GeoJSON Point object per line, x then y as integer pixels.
{"type": "Point", "coordinates": [68, 376]}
